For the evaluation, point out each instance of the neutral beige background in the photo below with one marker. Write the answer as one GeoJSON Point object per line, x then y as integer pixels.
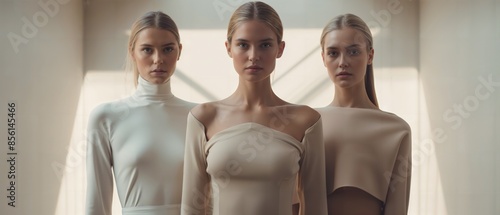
{"type": "Point", "coordinates": [432, 59]}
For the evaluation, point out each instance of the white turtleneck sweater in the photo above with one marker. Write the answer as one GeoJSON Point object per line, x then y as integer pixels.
{"type": "Point", "coordinates": [139, 139]}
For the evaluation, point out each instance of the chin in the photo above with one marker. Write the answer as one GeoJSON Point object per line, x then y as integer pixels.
{"type": "Point", "coordinates": [344, 84]}
{"type": "Point", "coordinates": [158, 80]}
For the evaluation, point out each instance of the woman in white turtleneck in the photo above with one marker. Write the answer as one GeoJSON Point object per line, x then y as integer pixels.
{"type": "Point", "coordinates": [140, 139]}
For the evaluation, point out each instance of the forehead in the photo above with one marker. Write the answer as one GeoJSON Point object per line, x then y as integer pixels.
{"type": "Point", "coordinates": [344, 37]}
{"type": "Point", "coordinates": [155, 36]}
{"type": "Point", "coordinates": [253, 30]}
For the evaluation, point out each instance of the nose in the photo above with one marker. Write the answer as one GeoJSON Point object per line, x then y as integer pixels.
{"type": "Point", "coordinates": [254, 55]}
{"type": "Point", "coordinates": [343, 61]}
{"type": "Point", "coordinates": [158, 58]}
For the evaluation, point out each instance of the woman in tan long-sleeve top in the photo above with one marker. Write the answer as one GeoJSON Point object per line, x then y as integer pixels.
{"type": "Point", "coordinates": [367, 150]}
{"type": "Point", "coordinates": [244, 153]}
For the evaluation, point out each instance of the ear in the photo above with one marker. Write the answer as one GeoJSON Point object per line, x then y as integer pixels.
{"type": "Point", "coordinates": [281, 48]}
{"type": "Point", "coordinates": [370, 56]}
{"type": "Point", "coordinates": [228, 49]}
{"type": "Point", "coordinates": [180, 51]}
{"type": "Point", "coordinates": [131, 53]}
{"type": "Point", "coordinates": [323, 57]}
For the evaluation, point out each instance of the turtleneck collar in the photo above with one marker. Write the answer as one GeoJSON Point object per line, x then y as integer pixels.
{"type": "Point", "coordinates": [153, 92]}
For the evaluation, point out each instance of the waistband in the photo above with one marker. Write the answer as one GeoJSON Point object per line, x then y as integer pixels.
{"type": "Point", "coordinates": [153, 210]}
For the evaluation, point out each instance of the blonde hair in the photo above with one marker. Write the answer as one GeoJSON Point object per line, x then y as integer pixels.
{"type": "Point", "coordinates": [356, 23]}
{"type": "Point", "coordinates": [152, 19]}
{"type": "Point", "coordinates": [255, 10]}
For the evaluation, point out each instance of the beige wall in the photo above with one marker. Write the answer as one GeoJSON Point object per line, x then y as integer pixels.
{"type": "Point", "coordinates": [459, 43]}
{"type": "Point", "coordinates": [41, 68]}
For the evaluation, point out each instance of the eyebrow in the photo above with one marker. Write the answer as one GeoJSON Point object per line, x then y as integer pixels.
{"type": "Point", "coordinates": [348, 47]}
{"type": "Point", "coordinates": [168, 44]}
{"type": "Point", "coordinates": [263, 40]}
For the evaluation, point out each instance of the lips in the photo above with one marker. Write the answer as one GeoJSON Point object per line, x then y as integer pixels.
{"type": "Point", "coordinates": [344, 74]}
{"type": "Point", "coordinates": [253, 69]}
{"type": "Point", "coordinates": [158, 72]}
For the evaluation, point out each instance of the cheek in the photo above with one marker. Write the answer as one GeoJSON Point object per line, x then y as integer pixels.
{"type": "Point", "coordinates": [141, 63]}
{"type": "Point", "coordinates": [361, 64]}
{"type": "Point", "coordinates": [238, 57]}
{"type": "Point", "coordinates": [331, 75]}
{"type": "Point", "coordinates": [172, 58]}
{"type": "Point", "coordinates": [330, 63]}
{"type": "Point", "coordinates": [272, 55]}
{"type": "Point", "coordinates": [140, 58]}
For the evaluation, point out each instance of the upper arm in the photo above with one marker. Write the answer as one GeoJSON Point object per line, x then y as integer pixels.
{"type": "Point", "coordinates": [99, 161]}
{"type": "Point", "coordinates": [204, 113]}
{"type": "Point", "coordinates": [307, 116]}
{"type": "Point", "coordinates": [311, 178]}
{"type": "Point", "coordinates": [98, 132]}
{"type": "Point", "coordinates": [196, 181]}
{"type": "Point", "coordinates": [397, 200]}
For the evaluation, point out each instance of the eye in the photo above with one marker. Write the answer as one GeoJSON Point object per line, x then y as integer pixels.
{"type": "Point", "coordinates": [242, 45]}
{"type": "Point", "coordinates": [353, 52]}
{"type": "Point", "coordinates": [266, 45]}
{"type": "Point", "coordinates": [147, 50]}
{"type": "Point", "coordinates": [332, 53]}
{"type": "Point", "coordinates": [168, 49]}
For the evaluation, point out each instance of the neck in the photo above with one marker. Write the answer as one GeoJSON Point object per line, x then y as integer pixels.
{"type": "Point", "coordinates": [255, 94]}
{"type": "Point", "coordinates": [353, 97]}
{"type": "Point", "coordinates": [153, 92]}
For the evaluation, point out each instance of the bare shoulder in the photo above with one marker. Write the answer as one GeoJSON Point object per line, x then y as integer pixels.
{"type": "Point", "coordinates": [304, 115]}
{"type": "Point", "coordinates": [205, 113]}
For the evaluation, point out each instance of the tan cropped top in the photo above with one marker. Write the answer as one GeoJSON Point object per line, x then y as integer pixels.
{"type": "Point", "coordinates": [371, 150]}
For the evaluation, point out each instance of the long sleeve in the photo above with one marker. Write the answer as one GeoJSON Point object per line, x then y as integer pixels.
{"type": "Point", "coordinates": [196, 185]}
{"type": "Point", "coordinates": [311, 177]}
{"type": "Point", "coordinates": [99, 163]}
{"type": "Point", "coordinates": [398, 194]}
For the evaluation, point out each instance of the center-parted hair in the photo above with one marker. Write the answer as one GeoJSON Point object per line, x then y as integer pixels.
{"type": "Point", "coordinates": [352, 21]}
{"type": "Point", "coordinates": [255, 10]}
{"type": "Point", "coordinates": [152, 19]}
